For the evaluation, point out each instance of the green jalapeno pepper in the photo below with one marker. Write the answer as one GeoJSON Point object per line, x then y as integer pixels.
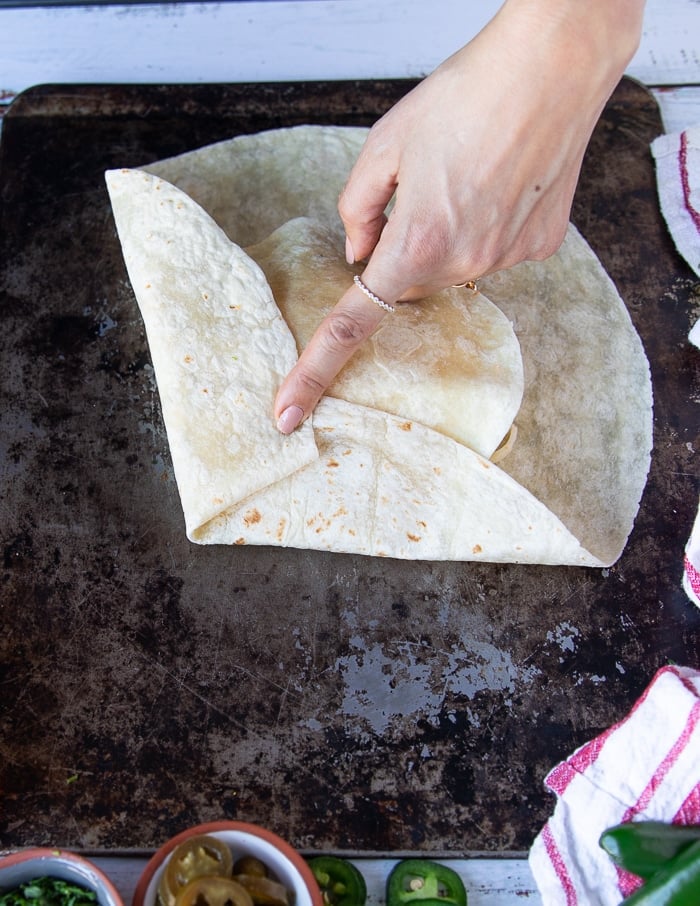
{"type": "Point", "coordinates": [341, 883]}
{"type": "Point", "coordinates": [676, 884]}
{"type": "Point", "coordinates": [644, 847]}
{"type": "Point", "coordinates": [425, 883]}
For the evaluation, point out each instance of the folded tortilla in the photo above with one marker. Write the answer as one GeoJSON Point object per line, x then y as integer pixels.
{"type": "Point", "coordinates": [234, 252]}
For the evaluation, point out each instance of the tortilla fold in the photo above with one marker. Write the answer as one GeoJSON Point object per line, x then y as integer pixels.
{"type": "Point", "coordinates": [395, 460]}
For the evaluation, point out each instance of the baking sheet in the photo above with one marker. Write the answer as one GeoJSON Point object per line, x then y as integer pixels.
{"type": "Point", "coordinates": [348, 703]}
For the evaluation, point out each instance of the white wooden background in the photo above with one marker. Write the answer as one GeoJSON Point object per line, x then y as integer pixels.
{"type": "Point", "coordinates": [298, 39]}
{"type": "Point", "coordinates": [285, 40]}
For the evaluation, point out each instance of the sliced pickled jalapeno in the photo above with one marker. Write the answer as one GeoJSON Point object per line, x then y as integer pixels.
{"type": "Point", "coordinates": [264, 891]}
{"type": "Point", "coordinates": [250, 865]}
{"type": "Point", "coordinates": [197, 857]}
{"type": "Point", "coordinates": [213, 890]}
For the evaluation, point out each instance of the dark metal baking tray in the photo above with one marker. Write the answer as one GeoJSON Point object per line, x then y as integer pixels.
{"type": "Point", "coordinates": [348, 703]}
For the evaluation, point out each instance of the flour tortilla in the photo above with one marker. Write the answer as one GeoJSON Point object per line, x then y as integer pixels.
{"type": "Point", "coordinates": [385, 484]}
{"type": "Point", "coordinates": [394, 488]}
{"type": "Point", "coordinates": [218, 343]}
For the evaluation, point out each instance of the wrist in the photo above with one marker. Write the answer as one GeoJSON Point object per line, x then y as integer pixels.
{"type": "Point", "coordinates": [598, 38]}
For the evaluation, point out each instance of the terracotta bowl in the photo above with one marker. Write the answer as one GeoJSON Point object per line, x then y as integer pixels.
{"type": "Point", "coordinates": [27, 864]}
{"type": "Point", "coordinates": [244, 839]}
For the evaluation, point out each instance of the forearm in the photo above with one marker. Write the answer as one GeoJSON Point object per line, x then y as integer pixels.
{"type": "Point", "coordinates": [595, 38]}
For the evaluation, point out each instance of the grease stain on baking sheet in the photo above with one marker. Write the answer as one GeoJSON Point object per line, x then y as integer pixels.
{"type": "Point", "coordinates": [384, 685]}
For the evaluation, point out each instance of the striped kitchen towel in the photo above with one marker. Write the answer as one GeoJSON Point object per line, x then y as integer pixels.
{"type": "Point", "coordinates": [646, 767]}
{"type": "Point", "coordinates": [691, 561]}
{"type": "Point", "coordinates": [677, 158]}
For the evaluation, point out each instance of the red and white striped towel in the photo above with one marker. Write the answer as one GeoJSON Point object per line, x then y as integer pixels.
{"type": "Point", "coordinates": [677, 159]}
{"type": "Point", "coordinates": [691, 562]}
{"type": "Point", "coordinates": [646, 767]}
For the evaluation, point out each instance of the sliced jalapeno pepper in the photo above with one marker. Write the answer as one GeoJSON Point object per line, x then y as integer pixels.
{"type": "Point", "coordinates": [264, 891]}
{"type": "Point", "coordinates": [341, 882]}
{"type": "Point", "coordinates": [213, 891]}
{"type": "Point", "coordinates": [250, 865]}
{"type": "Point", "coordinates": [424, 882]}
{"type": "Point", "coordinates": [676, 884]}
{"type": "Point", "coordinates": [643, 847]}
{"type": "Point", "coordinates": [194, 858]}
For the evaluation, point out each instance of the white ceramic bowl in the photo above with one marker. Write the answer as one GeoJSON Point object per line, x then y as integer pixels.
{"type": "Point", "coordinates": [288, 866]}
{"type": "Point", "coordinates": [25, 865]}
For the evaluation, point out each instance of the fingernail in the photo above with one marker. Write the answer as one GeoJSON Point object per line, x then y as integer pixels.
{"type": "Point", "coordinates": [349, 254]}
{"type": "Point", "coordinates": [290, 419]}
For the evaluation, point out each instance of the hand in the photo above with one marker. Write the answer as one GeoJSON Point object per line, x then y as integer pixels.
{"type": "Point", "coordinates": [482, 160]}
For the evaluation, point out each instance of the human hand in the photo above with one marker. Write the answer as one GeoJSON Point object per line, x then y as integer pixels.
{"type": "Point", "coordinates": [482, 160]}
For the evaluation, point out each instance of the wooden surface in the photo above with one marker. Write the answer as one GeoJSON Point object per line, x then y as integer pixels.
{"type": "Point", "coordinates": [489, 882]}
{"type": "Point", "coordinates": [285, 40]}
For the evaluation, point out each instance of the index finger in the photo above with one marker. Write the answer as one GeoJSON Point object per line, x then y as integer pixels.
{"type": "Point", "coordinates": [344, 329]}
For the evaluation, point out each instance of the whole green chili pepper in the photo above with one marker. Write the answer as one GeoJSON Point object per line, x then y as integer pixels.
{"type": "Point", "coordinates": [676, 884]}
{"type": "Point", "coordinates": [643, 847]}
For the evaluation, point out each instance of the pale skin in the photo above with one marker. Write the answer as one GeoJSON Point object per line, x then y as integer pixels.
{"type": "Point", "coordinates": [482, 159]}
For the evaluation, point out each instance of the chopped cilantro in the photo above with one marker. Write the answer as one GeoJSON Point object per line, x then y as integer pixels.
{"type": "Point", "coordinates": [48, 892]}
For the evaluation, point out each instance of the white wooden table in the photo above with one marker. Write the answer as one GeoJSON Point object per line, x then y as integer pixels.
{"type": "Point", "coordinates": [489, 882]}
{"type": "Point", "coordinates": [285, 40]}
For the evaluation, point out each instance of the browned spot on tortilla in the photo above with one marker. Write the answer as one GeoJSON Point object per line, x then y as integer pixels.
{"type": "Point", "coordinates": [347, 452]}
{"type": "Point", "coordinates": [341, 511]}
{"type": "Point", "coordinates": [280, 529]}
{"type": "Point", "coordinates": [332, 464]}
{"type": "Point", "coordinates": [239, 541]}
{"type": "Point", "coordinates": [188, 358]}
{"type": "Point", "coordinates": [234, 307]}
{"type": "Point", "coordinates": [251, 517]}
{"type": "Point", "coordinates": [422, 523]}
{"type": "Point", "coordinates": [205, 390]}
{"type": "Point", "coordinates": [217, 500]}
{"type": "Point", "coordinates": [477, 549]}
{"type": "Point", "coordinates": [485, 464]}
{"type": "Point", "coordinates": [406, 426]}
{"type": "Point", "coordinates": [437, 470]}
{"type": "Point", "coordinates": [412, 537]}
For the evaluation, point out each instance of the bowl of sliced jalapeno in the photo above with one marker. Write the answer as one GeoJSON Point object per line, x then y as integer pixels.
{"type": "Point", "coordinates": [227, 863]}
